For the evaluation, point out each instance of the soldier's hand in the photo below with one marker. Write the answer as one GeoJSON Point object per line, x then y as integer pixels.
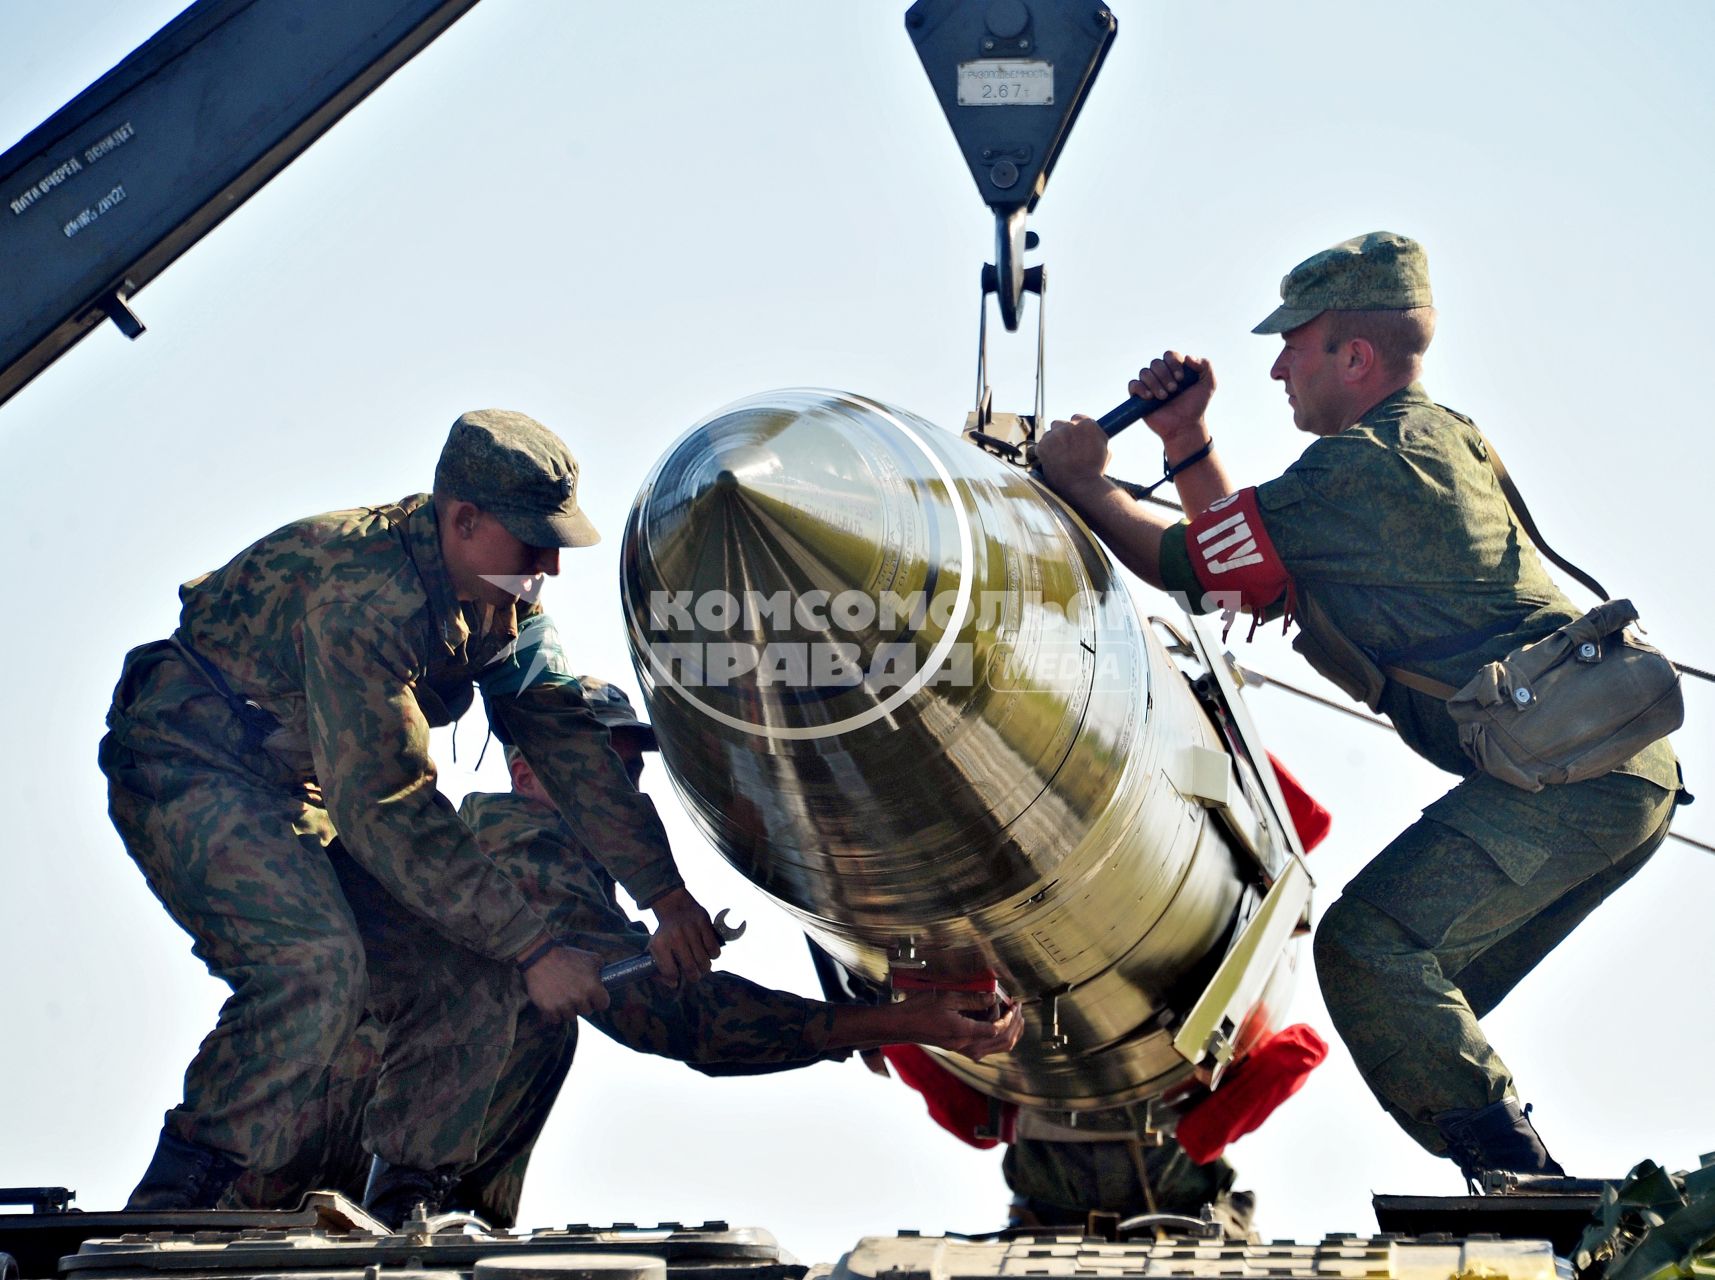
{"type": "Point", "coordinates": [1073, 455]}
{"type": "Point", "coordinates": [971, 1023]}
{"type": "Point", "coordinates": [685, 942]}
{"type": "Point", "coordinates": [566, 983]}
{"type": "Point", "coordinates": [1181, 424]}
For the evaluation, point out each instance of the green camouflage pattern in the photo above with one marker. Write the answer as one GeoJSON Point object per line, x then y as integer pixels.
{"type": "Point", "coordinates": [343, 633]}
{"type": "Point", "coordinates": [307, 940]}
{"type": "Point", "coordinates": [1434, 933]}
{"type": "Point", "coordinates": [1654, 1226]}
{"type": "Point", "coordinates": [1379, 271]}
{"type": "Point", "coordinates": [1398, 529]}
{"type": "Point", "coordinates": [1061, 1183]}
{"type": "Point", "coordinates": [612, 706]}
{"type": "Point", "coordinates": [539, 710]}
{"type": "Point", "coordinates": [325, 1134]}
{"type": "Point", "coordinates": [518, 471]}
{"type": "Point", "coordinates": [332, 625]}
{"type": "Point", "coordinates": [570, 752]}
{"type": "Point", "coordinates": [722, 1025]}
{"type": "Point", "coordinates": [722, 1019]}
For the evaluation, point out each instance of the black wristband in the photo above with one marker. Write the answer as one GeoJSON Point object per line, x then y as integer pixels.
{"type": "Point", "coordinates": [1168, 471]}
{"type": "Point", "coordinates": [1187, 462]}
{"type": "Point", "coordinates": [535, 953]}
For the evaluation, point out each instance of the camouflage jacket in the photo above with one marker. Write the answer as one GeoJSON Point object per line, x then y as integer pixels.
{"type": "Point", "coordinates": [346, 630]}
{"type": "Point", "coordinates": [1400, 530]}
{"type": "Point", "coordinates": [723, 1025]}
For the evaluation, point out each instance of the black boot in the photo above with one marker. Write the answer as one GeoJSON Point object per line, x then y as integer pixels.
{"type": "Point", "coordinates": [395, 1192]}
{"type": "Point", "coordinates": [1498, 1138]}
{"type": "Point", "coordinates": [183, 1175]}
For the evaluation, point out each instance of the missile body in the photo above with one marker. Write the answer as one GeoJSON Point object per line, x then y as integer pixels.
{"type": "Point", "coordinates": [902, 690]}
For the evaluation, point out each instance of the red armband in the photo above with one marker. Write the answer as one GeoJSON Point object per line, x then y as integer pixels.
{"type": "Point", "coordinates": [1232, 557]}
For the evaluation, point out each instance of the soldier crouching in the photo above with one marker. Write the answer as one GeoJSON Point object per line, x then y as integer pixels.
{"type": "Point", "coordinates": [269, 773]}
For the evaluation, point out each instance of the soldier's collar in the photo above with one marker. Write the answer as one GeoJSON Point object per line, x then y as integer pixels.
{"type": "Point", "coordinates": [455, 621]}
{"type": "Point", "coordinates": [1412, 394]}
{"type": "Point", "coordinates": [423, 542]}
{"type": "Point", "coordinates": [490, 620]}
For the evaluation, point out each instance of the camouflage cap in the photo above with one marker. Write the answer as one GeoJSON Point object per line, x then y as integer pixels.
{"type": "Point", "coordinates": [519, 472]}
{"type": "Point", "coordinates": [610, 705]}
{"type": "Point", "coordinates": [1380, 271]}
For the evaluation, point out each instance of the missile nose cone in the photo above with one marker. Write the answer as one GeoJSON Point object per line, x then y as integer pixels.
{"type": "Point", "coordinates": [846, 589]}
{"type": "Point", "coordinates": [762, 501]}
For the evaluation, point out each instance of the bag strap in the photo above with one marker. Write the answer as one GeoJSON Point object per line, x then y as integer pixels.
{"type": "Point", "coordinates": [258, 723]}
{"type": "Point", "coordinates": [1439, 688]}
{"type": "Point", "coordinates": [1516, 500]}
{"type": "Point", "coordinates": [1423, 684]}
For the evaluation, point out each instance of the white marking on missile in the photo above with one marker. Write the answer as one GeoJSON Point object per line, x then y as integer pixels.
{"type": "Point", "coordinates": [937, 656]}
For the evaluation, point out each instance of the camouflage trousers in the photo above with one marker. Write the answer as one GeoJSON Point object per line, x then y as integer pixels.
{"type": "Point", "coordinates": [1433, 934]}
{"type": "Point", "coordinates": [723, 1025]}
{"type": "Point", "coordinates": [1061, 1183]}
{"type": "Point", "coordinates": [247, 863]}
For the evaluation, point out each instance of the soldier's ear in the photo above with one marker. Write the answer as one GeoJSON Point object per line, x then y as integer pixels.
{"type": "Point", "coordinates": [462, 517]}
{"type": "Point", "coordinates": [1362, 357]}
{"type": "Point", "coordinates": [520, 773]}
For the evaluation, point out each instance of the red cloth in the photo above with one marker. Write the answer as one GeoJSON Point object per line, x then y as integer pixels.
{"type": "Point", "coordinates": [1232, 556]}
{"type": "Point", "coordinates": [953, 1104]}
{"type": "Point", "coordinates": [1308, 816]}
{"type": "Point", "coordinates": [906, 980]}
{"type": "Point", "coordinates": [1251, 1090]}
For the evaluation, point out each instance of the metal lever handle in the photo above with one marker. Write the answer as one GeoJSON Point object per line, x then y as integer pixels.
{"type": "Point", "coordinates": [1121, 416]}
{"type": "Point", "coordinates": [623, 973]}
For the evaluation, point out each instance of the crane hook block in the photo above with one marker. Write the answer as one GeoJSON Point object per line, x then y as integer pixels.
{"type": "Point", "coordinates": [1011, 76]}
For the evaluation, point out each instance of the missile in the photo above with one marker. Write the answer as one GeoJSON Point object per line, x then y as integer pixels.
{"type": "Point", "coordinates": [902, 690]}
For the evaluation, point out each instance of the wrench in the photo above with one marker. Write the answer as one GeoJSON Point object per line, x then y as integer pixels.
{"type": "Point", "coordinates": [622, 973]}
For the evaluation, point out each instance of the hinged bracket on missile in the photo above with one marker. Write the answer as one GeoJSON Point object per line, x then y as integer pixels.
{"type": "Point", "coordinates": [1011, 76]}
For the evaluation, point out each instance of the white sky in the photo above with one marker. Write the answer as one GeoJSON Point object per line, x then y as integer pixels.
{"type": "Point", "coordinates": [620, 217]}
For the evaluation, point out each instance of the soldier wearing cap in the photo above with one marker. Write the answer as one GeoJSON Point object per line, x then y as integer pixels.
{"type": "Point", "coordinates": [724, 1026]}
{"type": "Point", "coordinates": [1391, 544]}
{"type": "Point", "coordinates": [268, 771]}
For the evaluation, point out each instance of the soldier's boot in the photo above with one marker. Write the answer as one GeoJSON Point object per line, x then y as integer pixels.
{"type": "Point", "coordinates": [184, 1175]}
{"type": "Point", "coordinates": [396, 1192]}
{"type": "Point", "coordinates": [1498, 1138]}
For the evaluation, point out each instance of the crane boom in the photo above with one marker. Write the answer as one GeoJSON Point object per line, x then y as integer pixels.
{"type": "Point", "coordinates": [109, 191]}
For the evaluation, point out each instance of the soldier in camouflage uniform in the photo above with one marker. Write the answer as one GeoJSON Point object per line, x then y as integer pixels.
{"type": "Point", "coordinates": [1391, 534]}
{"type": "Point", "coordinates": [1063, 1178]}
{"type": "Point", "coordinates": [268, 771]}
{"type": "Point", "coordinates": [1060, 1184]}
{"type": "Point", "coordinates": [725, 1025]}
